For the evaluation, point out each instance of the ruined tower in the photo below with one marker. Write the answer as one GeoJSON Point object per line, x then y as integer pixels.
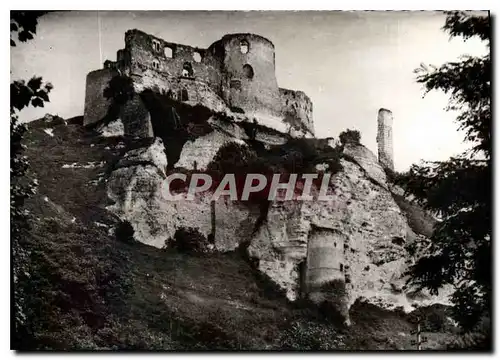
{"type": "Point", "coordinates": [384, 138]}
{"type": "Point", "coordinates": [235, 73]}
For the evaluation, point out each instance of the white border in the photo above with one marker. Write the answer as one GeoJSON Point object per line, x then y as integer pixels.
{"type": "Point", "coordinates": [198, 5]}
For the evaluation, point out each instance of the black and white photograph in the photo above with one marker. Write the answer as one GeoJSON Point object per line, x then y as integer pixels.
{"type": "Point", "coordinates": [249, 181]}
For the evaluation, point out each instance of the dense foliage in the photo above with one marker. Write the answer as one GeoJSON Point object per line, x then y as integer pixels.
{"type": "Point", "coordinates": [189, 241]}
{"type": "Point", "coordinates": [23, 24]}
{"type": "Point", "coordinates": [120, 89]}
{"type": "Point", "coordinates": [459, 190]}
{"type": "Point", "coordinates": [350, 137]}
{"type": "Point", "coordinates": [22, 95]}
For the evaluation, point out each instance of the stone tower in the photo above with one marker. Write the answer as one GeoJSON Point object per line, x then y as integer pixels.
{"type": "Point", "coordinates": [384, 138]}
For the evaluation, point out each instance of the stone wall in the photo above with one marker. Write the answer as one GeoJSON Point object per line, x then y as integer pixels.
{"type": "Point", "coordinates": [150, 52]}
{"type": "Point", "coordinates": [237, 71]}
{"type": "Point", "coordinates": [136, 189]}
{"type": "Point", "coordinates": [198, 153]}
{"type": "Point", "coordinates": [297, 107]}
{"type": "Point", "coordinates": [187, 90]}
{"type": "Point", "coordinates": [96, 106]}
{"type": "Point", "coordinates": [248, 73]}
{"type": "Point", "coordinates": [136, 118]}
{"type": "Point", "coordinates": [325, 257]}
{"type": "Point", "coordinates": [384, 138]}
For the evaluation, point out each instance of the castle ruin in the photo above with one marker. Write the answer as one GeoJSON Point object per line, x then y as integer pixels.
{"type": "Point", "coordinates": [384, 138]}
{"type": "Point", "coordinates": [235, 72]}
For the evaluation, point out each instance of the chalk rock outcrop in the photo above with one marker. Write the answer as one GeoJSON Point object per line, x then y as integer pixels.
{"type": "Point", "coordinates": [355, 238]}
{"type": "Point", "coordinates": [197, 154]}
{"type": "Point", "coordinates": [137, 189]}
{"type": "Point", "coordinates": [114, 128]}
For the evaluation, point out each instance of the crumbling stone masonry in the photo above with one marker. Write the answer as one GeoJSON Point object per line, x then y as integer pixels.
{"type": "Point", "coordinates": [384, 138]}
{"type": "Point", "coordinates": [237, 71]}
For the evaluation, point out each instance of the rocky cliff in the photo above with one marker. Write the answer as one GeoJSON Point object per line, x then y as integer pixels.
{"type": "Point", "coordinates": [126, 294]}
{"type": "Point", "coordinates": [357, 238]}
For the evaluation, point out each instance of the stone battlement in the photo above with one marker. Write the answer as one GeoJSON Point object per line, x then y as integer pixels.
{"type": "Point", "coordinates": [237, 71]}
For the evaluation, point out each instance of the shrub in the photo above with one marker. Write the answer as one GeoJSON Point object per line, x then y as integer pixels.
{"type": "Point", "coordinates": [120, 89]}
{"type": "Point", "coordinates": [394, 177]}
{"type": "Point", "coordinates": [310, 336]}
{"type": "Point", "coordinates": [472, 341]}
{"type": "Point", "coordinates": [231, 158]}
{"type": "Point", "coordinates": [125, 232]}
{"type": "Point", "coordinates": [433, 318]}
{"type": "Point", "coordinates": [77, 279]}
{"type": "Point", "coordinates": [334, 307]}
{"type": "Point", "coordinates": [189, 241]}
{"type": "Point", "coordinates": [350, 137]}
{"type": "Point", "coordinates": [236, 109]}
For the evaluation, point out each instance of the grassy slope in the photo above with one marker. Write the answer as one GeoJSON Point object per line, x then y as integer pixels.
{"type": "Point", "coordinates": [90, 291]}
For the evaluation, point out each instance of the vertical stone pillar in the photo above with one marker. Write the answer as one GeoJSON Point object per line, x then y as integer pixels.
{"type": "Point", "coordinates": [384, 138]}
{"type": "Point", "coordinates": [325, 277]}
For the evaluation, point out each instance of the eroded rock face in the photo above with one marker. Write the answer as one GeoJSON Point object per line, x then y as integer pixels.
{"type": "Point", "coordinates": [197, 154]}
{"type": "Point", "coordinates": [349, 237]}
{"type": "Point", "coordinates": [368, 162]}
{"type": "Point", "coordinates": [137, 188]}
{"type": "Point", "coordinates": [280, 245]}
{"type": "Point", "coordinates": [114, 128]}
{"type": "Point", "coordinates": [356, 238]}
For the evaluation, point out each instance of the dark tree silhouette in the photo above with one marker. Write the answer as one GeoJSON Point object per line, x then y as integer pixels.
{"type": "Point", "coordinates": [23, 24]}
{"type": "Point", "coordinates": [22, 95]}
{"type": "Point", "coordinates": [459, 190]}
{"type": "Point", "coordinates": [350, 136]}
{"type": "Point", "coordinates": [120, 89]}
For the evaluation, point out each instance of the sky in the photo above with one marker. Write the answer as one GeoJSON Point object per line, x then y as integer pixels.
{"type": "Point", "coordinates": [350, 64]}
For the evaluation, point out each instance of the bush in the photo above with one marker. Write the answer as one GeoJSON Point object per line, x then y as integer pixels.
{"type": "Point", "coordinates": [433, 318]}
{"type": "Point", "coordinates": [125, 232]}
{"type": "Point", "coordinates": [350, 137]}
{"type": "Point", "coordinates": [394, 177]}
{"type": "Point", "coordinates": [310, 336]}
{"type": "Point", "coordinates": [189, 241]}
{"type": "Point", "coordinates": [231, 158]}
{"type": "Point", "coordinates": [472, 341]}
{"type": "Point", "coordinates": [334, 307]}
{"type": "Point", "coordinates": [77, 279]}
{"type": "Point", "coordinates": [236, 109]}
{"type": "Point", "coordinates": [120, 89]}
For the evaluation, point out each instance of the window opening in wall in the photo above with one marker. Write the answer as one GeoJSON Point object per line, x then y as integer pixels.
{"type": "Point", "coordinates": [169, 53]}
{"type": "Point", "coordinates": [182, 95]}
{"type": "Point", "coordinates": [197, 56]}
{"type": "Point", "coordinates": [156, 64]}
{"type": "Point", "coordinates": [235, 84]}
{"type": "Point", "coordinates": [244, 46]}
{"type": "Point", "coordinates": [248, 71]}
{"type": "Point", "coordinates": [187, 69]}
{"type": "Point", "coordinates": [156, 45]}
{"type": "Point", "coordinates": [341, 267]}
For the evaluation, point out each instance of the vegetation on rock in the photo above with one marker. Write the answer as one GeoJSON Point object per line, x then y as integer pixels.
{"type": "Point", "coordinates": [460, 189]}
{"type": "Point", "coordinates": [22, 95]}
{"type": "Point", "coordinates": [350, 137]}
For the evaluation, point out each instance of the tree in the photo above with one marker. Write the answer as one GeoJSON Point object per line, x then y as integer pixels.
{"type": "Point", "coordinates": [23, 24]}
{"type": "Point", "coordinates": [350, 137]}
{"type": "Point", "coordinates": [22, 94]}
{"type": "Point", "coordinates": [120, 89]}
{"type": "Point", "coordinates": [459, 190]}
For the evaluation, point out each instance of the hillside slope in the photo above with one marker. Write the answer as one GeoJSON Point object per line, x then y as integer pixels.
{"type": "Point", "coordinates": [92, 289]}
